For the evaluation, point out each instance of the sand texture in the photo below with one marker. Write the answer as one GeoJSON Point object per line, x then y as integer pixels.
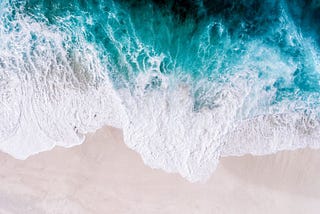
{"type": "Point", "coordinates": [104, 176]}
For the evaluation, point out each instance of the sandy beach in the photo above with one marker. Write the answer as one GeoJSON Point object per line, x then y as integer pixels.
{"type": "Point", "coordinates": [104, 176]}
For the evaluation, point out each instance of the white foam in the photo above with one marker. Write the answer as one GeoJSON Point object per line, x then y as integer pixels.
{"type": "Point", "coordinates": [45, 100]}
{"type": "Point", "coordinates": [267, 134]}
{"type": "Point", "coordinates": [164, 128]}
{"type": "Point", "coordinates": [168, 134]}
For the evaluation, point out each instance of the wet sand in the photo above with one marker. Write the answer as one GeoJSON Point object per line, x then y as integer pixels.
{"type": "Point", "coordinates": [104, 176]}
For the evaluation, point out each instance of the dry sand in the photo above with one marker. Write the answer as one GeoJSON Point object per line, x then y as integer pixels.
{"type": "Point", "coordinates": [104, 176]}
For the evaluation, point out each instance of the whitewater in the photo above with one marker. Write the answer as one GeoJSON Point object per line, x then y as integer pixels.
{"type": "Point", "coordinates": [187, 82]}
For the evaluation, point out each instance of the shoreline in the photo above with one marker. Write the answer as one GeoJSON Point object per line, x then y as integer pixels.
{"type": "Point", "coordinates": [103, 175]}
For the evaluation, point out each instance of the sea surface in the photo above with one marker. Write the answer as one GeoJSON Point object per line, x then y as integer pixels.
{"type": "Point", "coordinates": [187, 81]}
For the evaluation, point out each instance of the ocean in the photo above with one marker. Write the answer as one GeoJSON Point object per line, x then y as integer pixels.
{"type": "Point", "coordinates": [187, 81]}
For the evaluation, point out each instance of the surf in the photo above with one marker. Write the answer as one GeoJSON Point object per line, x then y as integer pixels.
{"type": "Point", "coordinates": [186, 82]}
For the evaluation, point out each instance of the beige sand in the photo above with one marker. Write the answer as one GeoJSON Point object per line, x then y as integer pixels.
{"type": "Point", "coordinates": [104, 176]}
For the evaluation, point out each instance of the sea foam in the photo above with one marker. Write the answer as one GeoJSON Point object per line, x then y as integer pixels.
{"type": "Point", "coordinates": [49, 96]}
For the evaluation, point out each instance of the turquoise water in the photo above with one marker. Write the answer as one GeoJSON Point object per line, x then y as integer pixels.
{"type": "Point", "coordinates": [169, 73]}
{"type": "Point", "coordinates": [210, 40]}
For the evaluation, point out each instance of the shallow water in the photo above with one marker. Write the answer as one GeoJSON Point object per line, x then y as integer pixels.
{"type": "Point", "coordinates": [187, 81]}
